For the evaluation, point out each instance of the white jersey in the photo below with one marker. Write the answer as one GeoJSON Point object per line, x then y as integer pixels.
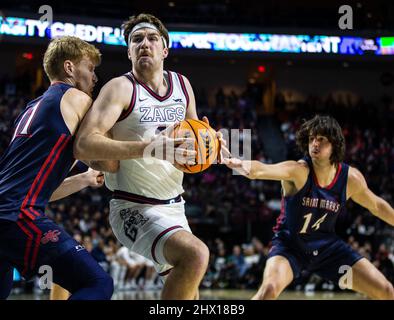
{"type": "Point", "coordinates": [152, 178]}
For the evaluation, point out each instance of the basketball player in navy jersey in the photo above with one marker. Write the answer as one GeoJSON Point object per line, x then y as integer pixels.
{"type": "Point", "coordinates": [33, 168]}
{"type": "Point", "coordinates": [147, 212]}
{"type": "Point", "coordinates": [315, 190]}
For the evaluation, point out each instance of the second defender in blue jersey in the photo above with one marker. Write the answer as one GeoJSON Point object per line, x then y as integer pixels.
{"type": "Point", "coordinates": [308, 217]}
{"type": "Point", "coordinates": [315, 190]}
{"type": "Point", "coordinates": [305, 230]}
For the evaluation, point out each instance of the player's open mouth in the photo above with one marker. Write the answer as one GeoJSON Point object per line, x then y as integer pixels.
{"type": "Point", "coordinates": [144, 55]}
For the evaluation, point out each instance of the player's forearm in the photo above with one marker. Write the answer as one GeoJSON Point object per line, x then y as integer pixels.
{"type": "Point", "coordinates": [261, 171]}
{"type": "Point", "coordinates": [384, 211]}
{"type": "Point", "coordinates": [249, 169]}
{"type": "Point", "coordinates": [276, 172]}
{"type": "Point", "coordinates": [69, 186]}
{"type": "Point", "coordinates": [99, 147]}
{"type": "Point", "coordinates": [257, 170]}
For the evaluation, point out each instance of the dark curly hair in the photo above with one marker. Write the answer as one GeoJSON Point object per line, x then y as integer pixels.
{"type": "Point", "coordinates": [325, 126]}
{"type": "Point", "coordinates": [128, 25]}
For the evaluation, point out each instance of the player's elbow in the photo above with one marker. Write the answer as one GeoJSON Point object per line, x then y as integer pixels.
{"type": "Point", "coordinates": [378, 205]}
{"type": "Point", "coordinates": [80, 148]}
{"type": "Point", "coordinates": [382, 206]}
{"type": "Point", "coordinates": [77, 150]}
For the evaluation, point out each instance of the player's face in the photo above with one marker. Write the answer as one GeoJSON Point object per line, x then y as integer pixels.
{"type": "Point", "coordinates": [320, 148]}
{"type": "Point", "coordinates": [84, 76]}
{"type": "Point", "coordinates": [146, 49]}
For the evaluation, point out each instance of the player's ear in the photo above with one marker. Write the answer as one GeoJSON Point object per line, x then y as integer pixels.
{"type": "Point", "coordinates": [68, 67]}
{"type": "Point", "coordinates": [128, 54]}
{"type": "Point", "coordinates": [165, 53]}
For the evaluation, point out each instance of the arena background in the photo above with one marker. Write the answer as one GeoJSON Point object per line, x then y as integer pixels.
{"type": "Point", "coordinates": [345, 73]}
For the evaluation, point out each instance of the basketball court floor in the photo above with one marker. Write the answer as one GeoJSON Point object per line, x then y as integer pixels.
{"type": "Point", "coordinates": [214, 295]}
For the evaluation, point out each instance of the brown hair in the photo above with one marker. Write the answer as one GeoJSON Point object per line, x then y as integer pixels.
{"type": "Point", "coordinates": [325, 126]}
{"type": "Point", "coordinates": [128, 25]}
{"type": "Point", "coordinates": [67, 48]}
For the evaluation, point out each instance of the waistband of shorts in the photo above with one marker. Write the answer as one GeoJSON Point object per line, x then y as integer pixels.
{"type": "Point", "coordinates": [123, 195]}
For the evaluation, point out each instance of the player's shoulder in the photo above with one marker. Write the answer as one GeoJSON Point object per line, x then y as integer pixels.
{"type": "Point", "coordinates": [355, 181]}
{"type": "Point", "coordinates": [179, 75]}
{"type": "Point", "coordinates": [355, 176]}
{"type": "Point", "coordinates": [301, 165]}
{"type": "Point", "coordinates": [76, 97]}
{"type": "Point", "coordinates": [172, 72]}
{"type": "Point", "coordinates": [118, 84]}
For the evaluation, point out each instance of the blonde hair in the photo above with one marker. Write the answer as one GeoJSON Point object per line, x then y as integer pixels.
{"type": "Point", "coordinates": [67, 48]}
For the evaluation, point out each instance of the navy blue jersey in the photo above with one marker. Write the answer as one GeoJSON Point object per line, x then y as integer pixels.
{"type": "Point", "coordinates": [308, 218]}
{"type": "Point", "coordinates": [38, 157]}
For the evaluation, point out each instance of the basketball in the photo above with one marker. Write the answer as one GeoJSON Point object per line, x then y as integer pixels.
{"type": "Point", "coordinates": [206, 145]}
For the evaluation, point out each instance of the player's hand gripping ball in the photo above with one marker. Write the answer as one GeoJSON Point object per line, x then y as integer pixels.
{"type": "Point", "coordinates": [206, 143]}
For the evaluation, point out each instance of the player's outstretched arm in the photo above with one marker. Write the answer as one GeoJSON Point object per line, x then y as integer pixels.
{"type": "Point", "coordinates": [287, 170]}
{"type": "Point", "coordinates": [359, 192]}
{"type": "Point", "coordinates": [70, 185]}
{"type": "Point", "coordinates": [91, 142]}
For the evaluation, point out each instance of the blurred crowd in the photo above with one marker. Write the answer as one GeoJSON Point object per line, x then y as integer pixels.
{"type": "Point", "coordinates": [234, 215]}
{"type": "Point", "coordinates": [301, 14]}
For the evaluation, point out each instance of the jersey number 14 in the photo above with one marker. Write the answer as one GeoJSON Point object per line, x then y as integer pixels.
{"type": "Point", "coordinates": [315, 226]}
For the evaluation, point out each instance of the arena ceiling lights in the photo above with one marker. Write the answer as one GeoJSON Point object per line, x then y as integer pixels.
{"type": "Point", "coordinates": [211, 41]}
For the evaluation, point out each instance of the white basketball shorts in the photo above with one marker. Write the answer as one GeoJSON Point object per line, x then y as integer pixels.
{"type": "Point", "coordinates": [144, 228]}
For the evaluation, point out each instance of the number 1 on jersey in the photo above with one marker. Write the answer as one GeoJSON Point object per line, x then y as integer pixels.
{"type": "Point", "coordinates": [23, 126]}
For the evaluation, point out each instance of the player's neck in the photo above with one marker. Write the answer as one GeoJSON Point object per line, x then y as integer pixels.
{"type": "Point", "coordinates": [66, 81]}
{"type": "Point", "coordinates": [154, 80]}
{"type": "Point", "coordinates": [325, 172]}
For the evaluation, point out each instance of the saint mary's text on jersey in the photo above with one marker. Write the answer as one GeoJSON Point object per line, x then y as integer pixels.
{"type": "Point", "coordinates": [321, 204]}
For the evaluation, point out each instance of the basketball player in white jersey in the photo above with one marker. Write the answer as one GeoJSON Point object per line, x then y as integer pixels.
{"type": "Point", "coordinates": [147, 211]}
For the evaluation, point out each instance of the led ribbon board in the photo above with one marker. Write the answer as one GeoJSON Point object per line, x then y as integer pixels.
{"type": "Point", "coordinates": [211, 41]}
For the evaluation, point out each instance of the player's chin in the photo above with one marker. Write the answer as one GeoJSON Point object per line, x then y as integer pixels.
{"type": "Point", "coordinates": [315, 156]}
{"type": "Point", "coordinates": [145, 63]}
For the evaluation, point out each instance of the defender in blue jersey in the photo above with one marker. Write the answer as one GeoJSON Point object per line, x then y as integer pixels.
{"type": "Point", "coordinates": [32, 170]}
{"type": "Point", "coordinates": [315, 190]}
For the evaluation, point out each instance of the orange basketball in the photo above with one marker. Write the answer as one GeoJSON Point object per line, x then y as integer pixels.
{"type": "Point", "coordinates": [206, 145]}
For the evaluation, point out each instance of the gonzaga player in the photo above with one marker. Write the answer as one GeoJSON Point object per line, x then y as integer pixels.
{"type": "Point", "coordinates": [147, 210]}
{"type": "Point", "coordinates": [315, 190]}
